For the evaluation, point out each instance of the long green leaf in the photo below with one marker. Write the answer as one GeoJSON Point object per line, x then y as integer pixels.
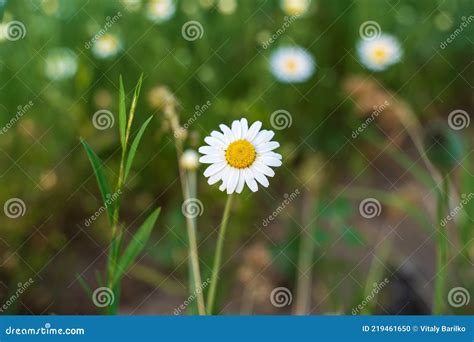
{"type": "Point", "coordinates": [133, 148]}
{"type": "Point", "coordinates": [122, 113]}
{"type": "Point", "coordinates": [87, 289]}
{"type": "Point", "coordinates": [101, 179]}
{"type": "Point", "coordinates": [136, 245]}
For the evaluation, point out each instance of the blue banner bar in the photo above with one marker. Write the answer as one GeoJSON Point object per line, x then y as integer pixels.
{"type": "Point", "coordinates": [232, 328]}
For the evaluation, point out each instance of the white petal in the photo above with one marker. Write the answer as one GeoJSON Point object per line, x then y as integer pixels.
{"type": "Point", "coordinates": [233, 179]}
{"type": "Point", "coordinates": [237, 129]}
{"type": "Point", "coordinates": [241, 182]}
{"type": "Point", "coordinates": [227, 132]}
{"type": "Point", "coordinates": [253, 130]}
{"type": "Point", "coordinates": [267, 147]}
{"type": "Point", "coordinates": [269, 161]}
{"type": "Point", "coordinates": [225, 178]}
{"type": "Point", "coordinates": [210, 159]}
{"type": "Point", "coordinates": [209, 150]}
{"type": "Point", "coordinates": [250, 180]}
{"type": "Point", "coordinates": [220, 136]}
{"type": "Point", "coordinates": [271, 155]}
{"type": "Point", "coordinates": [245, 127]}
{"type": "Point", "coordinates": [260, 177]}
{"type": "Point", "coordinates": [260, 167]}
{"type": "Point", "coordinates": [263, 137]}
{"type": "Point", "coordinates": [215, 178]}
{"type": "Point", "coordinates": [222, 187]}
{"type": "Point", "coordinates": [214, 168]}
{"type": "Point", "coordinates": [214, 142]}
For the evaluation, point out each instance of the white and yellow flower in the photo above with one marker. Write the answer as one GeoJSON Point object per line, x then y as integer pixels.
{"type": "Point", "coordinates": [60, 64]}
{"type": "Point", "coordinates": [292, 64]}
{"type": "Point", "coordinates": [160, 10]}
{"type": "Point", "coordinates": [240, 155]}
{"type": "Point", "coordinates": [379, 53]}
{"type": "Point", "coordinates": [295, 7]}
{"type": "Point", "coordinates": [106, 46]}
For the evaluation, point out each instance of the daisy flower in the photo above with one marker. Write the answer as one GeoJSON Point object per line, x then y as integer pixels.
{"type": "Point", "coordinates": [292, 64]}
{"type": "Point", "coordinates": [240, 155]}
{"type": "Point", "coordinates": [295, 7]}
{"type": "Point", "coordinates": [60, 64]}
{"type": "Point", "coordinates": [379, 53]}
{"type": "Point", "coordinates": [160, 10]}
{"type": "Point", "coordinates": [106, 46]}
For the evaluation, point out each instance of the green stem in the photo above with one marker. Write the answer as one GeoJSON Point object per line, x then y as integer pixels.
{"type": "Point", "coordinates": [218, 256]}
{"type": "Point", "coordinates": [304, 280]}
{"type": "Point", "coordinates": [439, 305]}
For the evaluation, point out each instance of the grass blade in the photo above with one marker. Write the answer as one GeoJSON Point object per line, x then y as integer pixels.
{"type": "Point", "coordinates": [122, 113]}
{"type": "Point", "coordinates": [101, 179]}
{"type": "Point", "coordinates": [133, 148]}
{"type": "Point", "coordinates": [136, 245]}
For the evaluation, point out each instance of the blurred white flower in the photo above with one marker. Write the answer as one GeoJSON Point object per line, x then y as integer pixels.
{"type": "Point", "coordinates": [132, 5]}
{"type": "Point", "coordinates": [106, 46]}
{"type": "Point", "coordinates": [292, 64]}
{"type": "Point", "coordinates": [160, 10]}
{"type": "Point", "coordinates": [240, 155]}
{"type": "Point", "coordinates": [61, 64]}
{"type": "Point", "coordinates": [190, 160]}
{"type": "Point", "coordinates": [379, 53]}
{"type": "Point", "coordinates": [227, 6]}
{"type": "Point", "coordinates": [295, 7]}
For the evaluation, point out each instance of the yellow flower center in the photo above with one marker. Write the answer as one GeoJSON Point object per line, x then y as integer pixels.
{"type": "Point", "coordinates": [291, 65]}
{"type": "Point", "coordinates": [379, 54]}
{"type": "Point", "coordinates": [240, 154]}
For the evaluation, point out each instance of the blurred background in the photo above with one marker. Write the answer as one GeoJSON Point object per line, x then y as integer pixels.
{"type": "Point", "coordinates": [60, 64]}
